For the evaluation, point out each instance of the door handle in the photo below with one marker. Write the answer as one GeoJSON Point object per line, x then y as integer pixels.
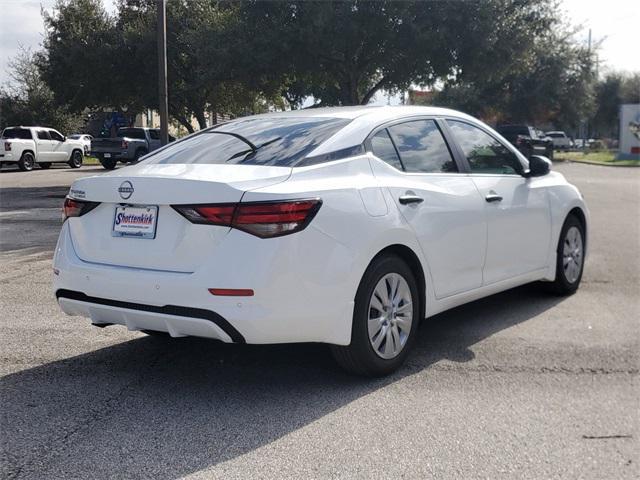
{"type": "Point", "coordinates": [408, 199]}
{"type": "Point", "coordinates": [493, 197]}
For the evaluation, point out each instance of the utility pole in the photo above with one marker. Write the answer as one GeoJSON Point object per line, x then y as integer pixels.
{"type": "Point", "coordinates": [162, 71]}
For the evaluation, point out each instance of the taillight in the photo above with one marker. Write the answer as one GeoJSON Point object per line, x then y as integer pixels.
{"type": "Point", "coordinates": [76, 208]}
{"type": "Point", "coordinates": [7, 146]}
{"type": "Point", "coordinates": [124, 144]}
{"type": "Point", "coordinates": [262, 219]}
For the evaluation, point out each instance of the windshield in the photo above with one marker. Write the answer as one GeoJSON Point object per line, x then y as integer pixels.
{"type": "Point", "coordinates": [275, 141]}
{"type": "Point", "coordinates": [17, 133]}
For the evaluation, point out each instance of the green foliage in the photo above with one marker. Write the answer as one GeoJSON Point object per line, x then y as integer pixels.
{"type": "Point", "coordinates": [612, 91]}
{"type": "Point", "coordinates": [28, 100]}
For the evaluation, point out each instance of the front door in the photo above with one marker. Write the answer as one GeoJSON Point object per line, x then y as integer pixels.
{"type": "Point", "coordinates": [441, 205]}
{"type": "Point", "coordinates": [517, 208]}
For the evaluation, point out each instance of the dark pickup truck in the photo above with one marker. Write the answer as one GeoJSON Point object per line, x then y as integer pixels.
{"type": "Point", "coordinates": [129, 145]}
{"type": "Point", "coordinates": [529, 140]}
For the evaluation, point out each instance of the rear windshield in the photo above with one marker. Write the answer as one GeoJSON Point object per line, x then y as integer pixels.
{"type": "Point", "coordinates": [555, 135]}
{"type": "Point", "coordinates": [131, 133]}
{"type": "Point", "coordinates": [74, 137]}
{"type": "Point", "coordinates": [17, 133]}
{"type": "Point", "coordinates": [281, 142]}
{"type": "Point", "coordinates": [513, 130]}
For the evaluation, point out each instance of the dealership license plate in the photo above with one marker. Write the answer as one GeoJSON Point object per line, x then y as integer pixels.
{"type": "Point", "coordinates": [107, 155]}
{"type": "Point", "coordinates": [135, 221]}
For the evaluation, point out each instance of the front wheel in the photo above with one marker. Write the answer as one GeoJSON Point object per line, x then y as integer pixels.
{"type": "Point", "coordinates": [26, 162]}
{"type": "Point", "coordinates": [76, 159]}
{"type": "Point", "coordinates": [385, 319]}
{"type": "Point", "coordinates": [570, 257]}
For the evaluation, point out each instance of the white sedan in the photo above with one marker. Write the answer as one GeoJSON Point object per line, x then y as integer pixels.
{"type": "Point", "coordinates": [346, 226]}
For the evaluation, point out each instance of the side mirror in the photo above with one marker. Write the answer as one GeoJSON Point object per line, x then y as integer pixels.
{"type": "Point", "coordinates": [539, 166]}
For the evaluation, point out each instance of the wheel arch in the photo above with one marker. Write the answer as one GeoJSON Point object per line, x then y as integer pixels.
{"type": "Point", "coordinates": [28, 150]}
{"type": "Point", "coordinates": [413, 261]}
{"type": "Point", "coordinates": [582, 218]}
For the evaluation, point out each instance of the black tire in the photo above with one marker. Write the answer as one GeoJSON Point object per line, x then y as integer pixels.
{"type": "Point", "coordinates": [359, 357]}
{"type": "Point", "coordinates": [563, 285]}
{"type": "Point", "coordinates": [140, 153]}
{"type": "Point", "coordinates": [44, 165]}
{"type": "Point", "coordinates": [155, 333]}
{"type": "Point", "coordinates": [108, 163]}
{"type": "Point", "coordinates": [26, 162]}
{"type": "Point", "coordinates": [76, 159]}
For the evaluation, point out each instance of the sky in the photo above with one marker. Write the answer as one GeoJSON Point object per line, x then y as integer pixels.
{"type": "Point", "coordinates": [614, 23]}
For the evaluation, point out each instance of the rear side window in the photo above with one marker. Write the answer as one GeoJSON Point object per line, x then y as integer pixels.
{"type": "Point", "coordinates": [484, 153]}
{"type": "Point", "coordinates": [274, 141]}
{"type": "Point", "coordinates": [383, 148]}
{"type": "Point", "coordinates": [43, 135]}
{"type": "Point", "coordinates": [422, 147]}
{"type": "Point", "coordinates": [136, 133]}
{"type": "Point", "coordinates": [17, 133]}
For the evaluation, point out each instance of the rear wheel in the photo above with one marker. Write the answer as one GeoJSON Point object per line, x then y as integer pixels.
{"type": "Point", "coordinates": [385, 319]}
{"type": "Point", "coordinates": [108, 163]}
{"type": "Point", "coordinates": [26, 162]}
{"type": "Point", "coordinates": [139, 153]}
{"type": "Point", "coordinates": [44, 165]}
{"type": "Point", "coordinates": [570, 257]}
{"type": "Point", "coordinates": [76, 159]}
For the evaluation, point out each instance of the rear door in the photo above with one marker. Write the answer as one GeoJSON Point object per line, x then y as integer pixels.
{"type": "Point", "coordinates": [516, 208]}
{"type": "Point", "coordinates": [441, 205]}
{"type": "Point", "coordinates": [44, 146]}
{"type": "Point", "coordinates": [154, 139]}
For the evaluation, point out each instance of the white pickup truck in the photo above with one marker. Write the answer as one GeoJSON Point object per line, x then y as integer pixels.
{"type": "Point", "coordinates": [28, 146]}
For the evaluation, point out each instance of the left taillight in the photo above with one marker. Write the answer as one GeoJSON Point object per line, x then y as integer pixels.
{"type": "Point", "coordinates": [76, 208]}
{"type": "Point", "coordinates": [262, 219]}
{"type": "Point", "coordinates": [7, 146]}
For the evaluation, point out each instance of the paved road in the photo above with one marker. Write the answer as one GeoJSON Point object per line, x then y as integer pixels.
{"type": "Point", "coordinates": [519, 385]}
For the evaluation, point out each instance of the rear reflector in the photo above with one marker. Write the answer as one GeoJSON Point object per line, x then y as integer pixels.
{"type": "Point", "coordinates": [262, 219]}
{"type": "Point", "coordinates": [231, 292]}
{"type": "Point", "coordinates": [76, 208]}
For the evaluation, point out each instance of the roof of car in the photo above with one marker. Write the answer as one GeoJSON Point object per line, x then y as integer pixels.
{"type": "Point", "coordinates": [379, 112]}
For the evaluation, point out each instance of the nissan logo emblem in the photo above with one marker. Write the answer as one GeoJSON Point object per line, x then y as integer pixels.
{"type": "Point", "coordinates": [125, 190]}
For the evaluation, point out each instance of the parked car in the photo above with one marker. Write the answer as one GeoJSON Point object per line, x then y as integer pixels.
{"type": "Point", "coordinates": [85, 139]}
{"type": "Point", "coordinates": [130, 144]}
{"type": "Point", "coordinates": [560, 140]}
{"type": "Point", "coordinates": [30, 146]}
{"type": "Point", "coordinates": [346, 226]}
{"type": "Point", "coordinates": [529, 140]}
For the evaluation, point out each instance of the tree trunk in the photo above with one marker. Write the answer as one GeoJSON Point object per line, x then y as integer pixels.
{"type": "Point", "coordinates": [202, 121]}
{"type": "Point", "coordinates": [184, 122]}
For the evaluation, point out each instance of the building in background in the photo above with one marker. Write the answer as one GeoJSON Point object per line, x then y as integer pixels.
{"type": "Point", "coordinates": [629, 131]}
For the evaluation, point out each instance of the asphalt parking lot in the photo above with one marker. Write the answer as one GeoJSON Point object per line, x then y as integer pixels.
{"type": "Point", "coordinates": [518, 385]}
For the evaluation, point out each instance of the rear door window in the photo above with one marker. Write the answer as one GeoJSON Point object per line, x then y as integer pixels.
{"type": "Point", "coordinates": [422, 147]}
{"type": "Point", "coordinates": [154, 135]}
{"type": "Point", "coordinates": [273, 141]}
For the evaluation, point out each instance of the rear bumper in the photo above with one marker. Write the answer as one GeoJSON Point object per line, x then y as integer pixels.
{"type": "Point", "coordinates": [313, 303]}
{"type": "Point", "coordinates": [176, 320]}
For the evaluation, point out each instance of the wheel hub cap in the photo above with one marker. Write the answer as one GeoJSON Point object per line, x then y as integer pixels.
{"type": "Point", "coordinates": [390, 316]}
{"type": "Point", "coordinates": [572, 254]}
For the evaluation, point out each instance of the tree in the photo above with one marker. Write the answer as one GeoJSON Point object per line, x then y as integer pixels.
{"type": "Point", "coordinates": [28, 100]}
{"type": "Point", "coordinates": [612, 91]}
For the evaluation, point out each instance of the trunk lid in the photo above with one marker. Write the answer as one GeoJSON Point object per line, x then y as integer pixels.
{"type": "Point", "coordinates": [178, 245]}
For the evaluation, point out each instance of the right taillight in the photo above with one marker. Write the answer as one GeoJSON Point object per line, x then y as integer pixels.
{"type": "Point", "coordinates": [262, 219]}
{"type": "Point", "coordinates": [124, 145]}
{"type": "Point", "coordinates": [76, 208]}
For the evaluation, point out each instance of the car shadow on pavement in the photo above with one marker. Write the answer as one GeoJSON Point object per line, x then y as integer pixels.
{"type": "Point", "coordinates": [165, 408]}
